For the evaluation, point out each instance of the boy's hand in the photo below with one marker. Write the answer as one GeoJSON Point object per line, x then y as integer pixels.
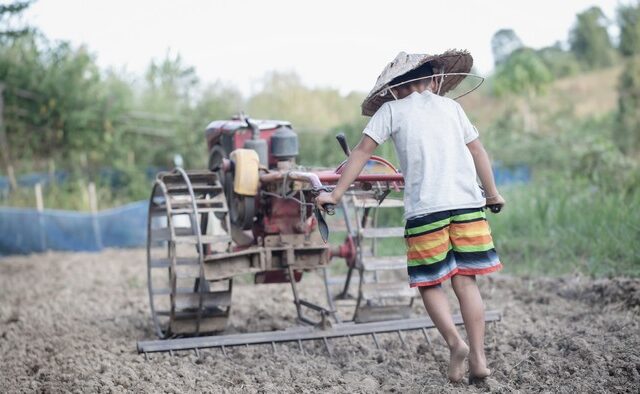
{"type": "Point", "coordinates": [495, 203]}
{"type": "Point", "coordinates": [325, 198]}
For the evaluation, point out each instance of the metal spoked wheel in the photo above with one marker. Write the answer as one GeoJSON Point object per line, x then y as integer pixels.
{"type": "Point", "coordinates": [381, 291]}
{"type": "Point", "coordinates": [183, 227]}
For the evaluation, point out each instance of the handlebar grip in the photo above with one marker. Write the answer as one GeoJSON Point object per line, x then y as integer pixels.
{"type": "Point", "coordinates": [342, 140]}
{"type": "Point", "coordinates": [495, 208]}
{"type": "Point", "coordinates": [330, 209]}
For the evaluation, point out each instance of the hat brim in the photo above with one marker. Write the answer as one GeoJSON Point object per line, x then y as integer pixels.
{"type": "Point", "coordinates": [451, 61]}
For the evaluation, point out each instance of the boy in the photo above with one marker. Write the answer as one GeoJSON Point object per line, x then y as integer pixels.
{"type": "Point", "coordinates": [441, 157]}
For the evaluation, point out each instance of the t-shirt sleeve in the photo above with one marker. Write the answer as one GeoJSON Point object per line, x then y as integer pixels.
{"type": "Point", "coordinates": [469, 131]}
{"type": "Point", "coordinates": [379, 127]}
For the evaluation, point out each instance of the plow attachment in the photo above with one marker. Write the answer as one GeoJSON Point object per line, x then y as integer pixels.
{"type": "Point", "coordinates": [299, 334]}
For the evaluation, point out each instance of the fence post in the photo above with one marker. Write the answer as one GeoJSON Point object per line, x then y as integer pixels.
{"type": "Point", "coordinates": [93, 204]}
{"type": "Point", "coordinates": [40, 209]}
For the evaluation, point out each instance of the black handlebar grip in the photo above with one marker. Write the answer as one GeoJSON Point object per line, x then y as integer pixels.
{"type": "Point", "coordinates": [330, 209]}
{"type": "Point", "coordinates": [495, 208]}
{"type": "Point", "coordinates": [342, 140]}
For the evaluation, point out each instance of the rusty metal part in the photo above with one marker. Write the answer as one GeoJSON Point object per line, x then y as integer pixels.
{"type": "Point", "coordinates": [180, 296]}
{"type": "Point", "coordinates": [298, 334]}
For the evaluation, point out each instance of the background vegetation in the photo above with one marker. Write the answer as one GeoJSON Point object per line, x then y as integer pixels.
{"type": "Point", "coordinates": [570, 111]}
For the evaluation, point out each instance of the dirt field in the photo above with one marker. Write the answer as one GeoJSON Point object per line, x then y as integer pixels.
{"type": "Point", "coordinates": [69, 322]}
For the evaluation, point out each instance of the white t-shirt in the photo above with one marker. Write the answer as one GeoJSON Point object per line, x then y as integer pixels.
{"type": "Point", "coordinates": [430, 134]}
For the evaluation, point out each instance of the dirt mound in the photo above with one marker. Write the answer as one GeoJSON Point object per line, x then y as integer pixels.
{"type": "Point", "coordinates": [624, 292]}
{"type": "Point", "coordinates": [69, 322]}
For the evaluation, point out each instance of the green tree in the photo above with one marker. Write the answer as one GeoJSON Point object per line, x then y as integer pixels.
{"type": "Point", "coordinates": [170, 85]}
{"type": "Point", "coordinates": [560, 63]}
{"type": "Point", "coordinates": [503, 43]}
{"type": "Point", "coordinates": [8, 15]}
{"type": "Point", "coordinates": [629, 22]}
{"type": "Point", "coordinates": [55, 103]}
{"type": "Point", "coordinates": [284, 96]}
{"type": "Point", "coordinates": [627, 132]}
{"type": "Point", "coordinates": [590, 41]}
{"type": "Point", "coordinates": [523, 72]}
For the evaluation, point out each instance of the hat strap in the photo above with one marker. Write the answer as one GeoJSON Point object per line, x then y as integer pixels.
{"type": "Point", "coordinates": [441, 75]}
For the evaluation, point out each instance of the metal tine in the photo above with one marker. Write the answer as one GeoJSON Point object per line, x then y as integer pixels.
{"type": "Point", "coordinates": [326, 344]}
{"type": "Point", "coordinates": [146, 356]}
{"type": "Point", "coordinates": [197, 352]}
{"type": "Point", "coordinates": [426, 335]}
{"type": "Point", "coordinates": [224, 351]}
{"type": "Point", "coordinates": [171, 352]}
{"type": "Point", "coordinates": [375, 339]}
{"type": "Point", "coordinates": [273, 346]}
{"type": "Point", "coordinates": [301, 348]}
{"type": "Point", "coordinates": [404, 344]}
{"type": "Point", "coordinates": [350, 340]}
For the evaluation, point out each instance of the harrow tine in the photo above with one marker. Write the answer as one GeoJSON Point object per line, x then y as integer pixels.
{"type": "Point", "coordinates": [375, 339]}
{"type": "Point", "coordinates": [326, 344]}
{"type": "Point", "coordinates": [426, 335]}
{"type": "Point", "coordinates": [404, 344]}
{"type": "Point", "coordinates": [224, 351]}
{"type": "Point", "coordinates": [300, 346]}
{"type": "Point", "coordinates": [273, 346]}
{"type": "Point", "coordinates": [146, 356]}
{"type": "Point", "coordinates": [350, 340]}
{"type": "Point", "coordinates": [197, 352]}
{"type": "Point", "coordinates": [171, 353]}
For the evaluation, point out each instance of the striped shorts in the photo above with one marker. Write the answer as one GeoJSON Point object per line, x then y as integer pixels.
{"type": "Point", "coordinates": [443, 244]}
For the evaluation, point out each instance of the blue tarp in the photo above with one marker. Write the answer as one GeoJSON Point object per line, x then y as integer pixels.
{"type": "Point", "coordinates": [27, 230]}
{"type": "Point", "coordinates": [515, 174]}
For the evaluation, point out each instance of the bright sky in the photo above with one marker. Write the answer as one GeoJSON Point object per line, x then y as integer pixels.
{"type": "Point", "coordinates": [341, 44]}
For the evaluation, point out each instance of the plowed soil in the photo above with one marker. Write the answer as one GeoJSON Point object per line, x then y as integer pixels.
{"type": "Point", "coordinates": [70, 322]}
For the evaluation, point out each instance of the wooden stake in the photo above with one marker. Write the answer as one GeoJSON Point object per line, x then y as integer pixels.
{"type": "Point", "coordinates": [40, 209]}
{"type": "Point", "coordinates": [39, 200]}
{"type": "Point", "coordinates": [93, 205]}
{"type": "Point", "coordinates": [12, 177]}
{"type": "Point", "coordinates": [93, 200]}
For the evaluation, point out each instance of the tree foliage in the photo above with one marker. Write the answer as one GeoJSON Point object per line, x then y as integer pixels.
{"type": "Point", "coordinates": [590, 41]}
{"type": "Point", "coordinates": [8, 14]}
{"type": "Point", "coordinates": [55, 99]}
{"type": "Point", "coordinates": [560, 63]}
{"type": "Point", "coordinates": [503, 43]}
{"type": "Point", "coordinates": [629, 23]}
{"type": "Point", "coordinates": [522, 73]}
{"type": "Point", "coordinates": [284, 96]}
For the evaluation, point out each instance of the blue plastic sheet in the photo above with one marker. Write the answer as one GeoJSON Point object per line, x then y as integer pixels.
{"type": "Point", "coordinates": [25, 231]}
{"type": "Point", "coordinates": [508, 175]}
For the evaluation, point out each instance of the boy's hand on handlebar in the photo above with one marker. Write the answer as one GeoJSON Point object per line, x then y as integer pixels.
{"type": "Point", "coordinates": [495, 203]}
{"type": "Point", "coordinates": [325, 198]}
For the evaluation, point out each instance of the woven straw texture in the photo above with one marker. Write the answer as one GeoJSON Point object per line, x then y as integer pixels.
{"type": "Point", "coordinates": [451, 61]}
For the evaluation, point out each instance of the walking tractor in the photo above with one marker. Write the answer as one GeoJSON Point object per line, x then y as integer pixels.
{"type": "Point", "coordinates": [252, 212]}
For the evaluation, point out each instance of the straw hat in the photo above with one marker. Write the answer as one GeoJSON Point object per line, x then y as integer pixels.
{"type": "Point", "coordinates": [451, 61]}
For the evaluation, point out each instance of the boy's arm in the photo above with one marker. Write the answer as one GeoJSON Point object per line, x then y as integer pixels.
{"type": "Point", "coordinates": [355, 163]}
{"type": "Point", "coordinates": [485, 173]}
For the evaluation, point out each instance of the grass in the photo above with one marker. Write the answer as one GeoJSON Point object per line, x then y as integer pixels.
{"type": "Point", "coordinates": [561, 228]}
{"type": "Point", "coordinates": [557, 228]}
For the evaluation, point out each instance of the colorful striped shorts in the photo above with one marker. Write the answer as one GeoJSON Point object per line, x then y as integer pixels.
{"type": "Point", "coordinates": [443, 244]}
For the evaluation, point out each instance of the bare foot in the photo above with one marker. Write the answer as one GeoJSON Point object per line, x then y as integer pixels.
{"type": "Point", "coordinates": [478, 368]}
{"type": "Point", "coordinates": [456, 362]}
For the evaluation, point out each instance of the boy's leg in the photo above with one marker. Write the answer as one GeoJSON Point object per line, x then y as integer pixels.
{"type": "Point", "coordinates": [472, 309]}
{"type": "Point", "coordinates": [437, 306]}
